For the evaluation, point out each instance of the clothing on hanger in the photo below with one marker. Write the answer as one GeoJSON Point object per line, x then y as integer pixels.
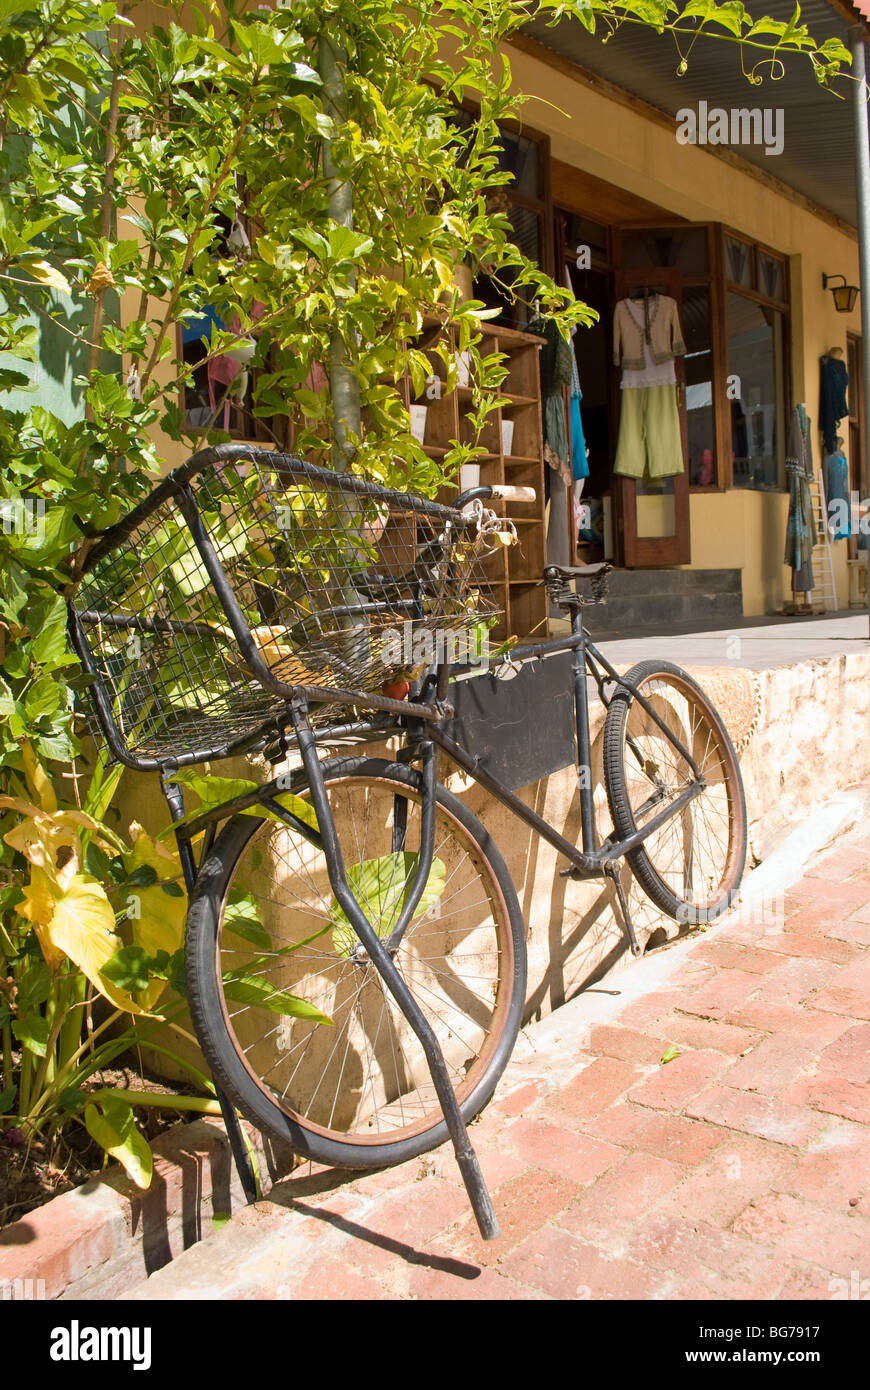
{"type": "Point", "coordinates": [833, 408]}
{"type": "Point", "coordinates": [656, 323]}
{"type": "Point", "coordinates": [556, 358]}
{"type": "Point", "coordinates": [836, 474]}
{"type": "Point", "coordinates": [800, 534]}
{"type": "Point", "coordinates": [650, 441]}
{"type": "Point", "coordinates": [579, 461]}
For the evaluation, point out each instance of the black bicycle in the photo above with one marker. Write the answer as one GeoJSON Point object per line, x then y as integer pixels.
{"type": "Point", "coordinates": [355, 950]}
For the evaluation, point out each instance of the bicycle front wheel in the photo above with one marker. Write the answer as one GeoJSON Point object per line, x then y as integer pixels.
{"type": "Point", "coordinates": [340, 1076]}
{"type": "Point", "coordinates": [693, 863]}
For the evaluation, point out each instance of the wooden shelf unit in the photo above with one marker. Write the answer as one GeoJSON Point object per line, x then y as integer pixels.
{"type": "Point", "coordinates": [514, 572]}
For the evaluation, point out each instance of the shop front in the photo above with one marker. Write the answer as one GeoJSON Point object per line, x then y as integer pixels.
{"type": "Point", "coordinates": [682, 461]}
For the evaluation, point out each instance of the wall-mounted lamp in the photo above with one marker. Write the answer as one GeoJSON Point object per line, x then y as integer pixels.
{"type": "Point", "coordinates": [844, 295]}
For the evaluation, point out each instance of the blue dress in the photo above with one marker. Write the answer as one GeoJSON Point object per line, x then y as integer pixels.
{"type": "Point", "coordinates": [579, 461]}
{"type": "Point", "coordinates": [837, 491]}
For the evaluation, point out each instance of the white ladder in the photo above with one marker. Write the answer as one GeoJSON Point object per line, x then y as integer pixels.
{"type": "Point", "coordinates": [824, 590]}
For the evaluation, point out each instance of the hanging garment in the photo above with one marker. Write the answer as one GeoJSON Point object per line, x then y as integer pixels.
{"type": "Point", "coordinates": [556, 358]}
{"type": "Point", "coordinates": [653, 321]}
{"type": "Point", "coordinates": [832, 399]}
{"type": "Point", "coordinates": [193, 329]}
{"type": "Point", "coordinates": [800, 534]}
{"type": "Point", "coordinates": [836, 472]}
{"type": "Point", "coordinates": [650, 444]}
{"type": "Point", "coordinates": [579, 461]}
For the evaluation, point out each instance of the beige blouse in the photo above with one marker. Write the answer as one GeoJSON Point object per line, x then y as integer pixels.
{"type": "Point", "coordinates": [662, 330]}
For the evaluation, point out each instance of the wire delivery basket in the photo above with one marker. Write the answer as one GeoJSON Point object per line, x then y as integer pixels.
{"type": "Point", "coordinates": [250, 577]}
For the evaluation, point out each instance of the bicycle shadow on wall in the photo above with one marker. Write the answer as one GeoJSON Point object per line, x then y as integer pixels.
{"type": "Point", "coordinates": [584, 936]}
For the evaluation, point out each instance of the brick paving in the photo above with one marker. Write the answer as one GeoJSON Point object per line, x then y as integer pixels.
{"type": "Point", "coordinates": [740, 1169]}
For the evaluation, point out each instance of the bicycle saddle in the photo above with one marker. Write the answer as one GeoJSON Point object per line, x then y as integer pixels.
{"type": "Point", "coordinates": [577, 571]}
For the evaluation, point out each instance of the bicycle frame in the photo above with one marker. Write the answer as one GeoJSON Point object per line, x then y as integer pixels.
{"type": "Point", "coordinates": [422, 736]}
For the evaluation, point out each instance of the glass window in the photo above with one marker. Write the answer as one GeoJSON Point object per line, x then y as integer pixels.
{"type": "Point", "coordinates": [519, 156]}
{"type": "Point", "coordinates": [738, 262]}
{"type": "Point", "coordinates": [771, 276]}
{"type": "Point", "coordinates": [685, 249]}
{"type": "Point", "coordinates": [528, 236]}
{"type": "Point", "coordinates": [703, 470]}
{"type": "Point", "coordinates": [756, 392]}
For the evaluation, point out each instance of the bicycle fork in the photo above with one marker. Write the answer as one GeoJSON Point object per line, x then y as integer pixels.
{"type": "Point", "coordinates": [382, 959]}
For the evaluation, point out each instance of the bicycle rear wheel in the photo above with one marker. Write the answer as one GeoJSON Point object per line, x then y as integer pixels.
{"type": "Point", "coordinates": [355, 1091]}
{"type": "Point", "coordinates": [692, 864]}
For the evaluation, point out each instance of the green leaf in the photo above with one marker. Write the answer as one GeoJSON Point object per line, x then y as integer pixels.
{"type": "Point", "coordinates": [241, 916]}
{"type": "Point", "coordinates": [296, 805]}
{"type": "Point", "coordinates": [32, 1032]}
{"type": "Point", "coordinates": [73, 1100]}
{"type": "Point", "coordinates": [7, 1099]}
{"type": "Point", "coordinates": [670, 1054]}
{"type": "Point", "coordinates": [143, 877]}
{"type": "Point", "coordinates": [379, 886]}
{"type": "Point", "coordinates": [34, 987]}
{"type": "Point", "coordinates": [130, 968]}
{"type": "Point", "coordinates": [50, 642]}
{"type": "Point", "coordinates": [241, 988]}
{"type": "Point", "coordinates": [97, 862]}
{"type": "Point", "coordinates": [111, 1122]}
{"type": "Point", "coordinates": [45, 697]}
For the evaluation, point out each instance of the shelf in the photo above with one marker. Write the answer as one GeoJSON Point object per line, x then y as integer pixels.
{"type": "Point", "coordinates": [513, 574]}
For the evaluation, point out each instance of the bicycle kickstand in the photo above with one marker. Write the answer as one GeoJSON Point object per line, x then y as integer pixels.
{"type": "Point", "coordinates": [612, 872]}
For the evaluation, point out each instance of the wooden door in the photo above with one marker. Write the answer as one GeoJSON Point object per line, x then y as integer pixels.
{"type": "Point", "coordinates": [653, 520]}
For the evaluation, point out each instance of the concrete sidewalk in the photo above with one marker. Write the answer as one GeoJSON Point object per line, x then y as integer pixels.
{"type": "Point", "coordinates": [755, 643]}
{"type": "Point", "coordinates": [739, 1169]}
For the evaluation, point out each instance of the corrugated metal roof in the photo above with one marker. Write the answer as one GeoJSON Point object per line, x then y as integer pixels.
{"type": "Point", "coordinates": [818, 155]}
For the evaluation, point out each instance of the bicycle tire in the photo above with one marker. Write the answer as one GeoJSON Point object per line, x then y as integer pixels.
{"type": "Point", "coordinates": [335, 1130]}
{"type": "Point", "coordinates": [698, 882]}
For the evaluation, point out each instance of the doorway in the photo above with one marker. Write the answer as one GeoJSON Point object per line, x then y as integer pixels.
{"type": "Point", "coordinates": [654, 512]}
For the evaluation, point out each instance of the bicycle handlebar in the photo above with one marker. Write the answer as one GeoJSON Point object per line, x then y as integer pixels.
{"type": "Point", "coordinates": [506, 491]}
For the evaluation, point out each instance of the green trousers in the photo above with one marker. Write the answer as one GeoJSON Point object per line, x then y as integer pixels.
{"type": "Point", "coordinates": [650, 444]}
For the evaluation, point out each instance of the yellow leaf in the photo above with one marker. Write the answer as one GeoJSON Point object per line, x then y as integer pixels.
{"type": "Point", "coordinates": [38, 909]}
{"type": "Point", "coordinates": [83, 927]}
{"type": "Point", "coordinates": [47, 844]}
{"type": "Point", "coordinates": [158, 924]}
{"type": "Point", "coordinates": [37, 779]}
{"type": "Point", "coordinates": [41, 835]}
{"type": "Point", "coordinates": [110, 1121]}
{"type": "Point", "coordinates": [47, 275]}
